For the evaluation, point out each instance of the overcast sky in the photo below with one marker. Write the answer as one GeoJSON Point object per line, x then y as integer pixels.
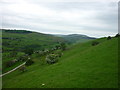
{"type": "Point", "coordinates": [97, 18]}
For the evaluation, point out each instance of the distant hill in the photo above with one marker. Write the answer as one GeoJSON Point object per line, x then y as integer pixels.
{"type": "Point", "coordinates": [20, 39]}
{"type": "Point", "coordinates": [75, 38]}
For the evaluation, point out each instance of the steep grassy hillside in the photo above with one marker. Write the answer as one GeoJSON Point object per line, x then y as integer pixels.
{"type": "Point", "coordinates": [81, 66]}
{"type": "Point", "coordinates": [20, 39]}
{"type": "Point", "coordinates": [14, 42]}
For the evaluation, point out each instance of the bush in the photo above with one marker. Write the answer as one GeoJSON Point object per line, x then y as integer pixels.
{"type": "Point", "coordinates": [108, 38]}
{"type": "Point", "coordinates": [63, 46]}
{"type": "Point", "coordinates": [59, 53]}
{"type": "Point", "coordinates": [22, 58]}
{"type": "Point", "coordinates": [22, 68]}
{"type": "Point", "coordinates": [46, 52]}
{"type": "Point", "coordinates": [57, 47]}
{"type": "Point", "coordinates": [117, 35]}
{"type": "Point", "coordinates": [29, 62]}
{"type": "Point", "coordinates": [52, 58]}
{"type": "Point", "coordinates": [95, 43]}
{"type": "Point", "coordinates": [10, 63]}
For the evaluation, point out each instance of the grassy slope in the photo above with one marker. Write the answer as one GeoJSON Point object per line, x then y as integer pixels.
{"type": "Point", "coordinates": [38, 40]}
{"type": "Point", "coordinates": [29, 39]}
{"type": "Point", "coordinates": [82, 66]}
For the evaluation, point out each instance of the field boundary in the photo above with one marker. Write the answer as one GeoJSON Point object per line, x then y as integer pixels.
{"type": "Point", "coordinates": [12, 69]}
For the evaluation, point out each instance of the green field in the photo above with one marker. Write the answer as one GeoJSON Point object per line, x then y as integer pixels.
{"type": "Point", "coordinates": [14, 42]}
{"type": "Point", "coordinates": [81, 66]}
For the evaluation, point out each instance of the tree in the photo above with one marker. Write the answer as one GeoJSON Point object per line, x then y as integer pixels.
{"type": "Point", "coordinates": [22, 68]}
{"type": "Point", "coordinates": [52, 58]}
{"type": "Point", "coordinates": [57, 47]}
{"type": "Point", "coordinates": [22, 58]}
{"type": "Point", "coordinates": [29, 62]}
{"type": "Point", "coordinates": [63, 46]}
{"type": "Point", "coordinates": [59, 53]}
{"type": "Point", "coordinates": [117, 35]}
{"type": "Point", "coordinates": [108, 38]}
{"type": "Point", "coordinates": [10, 63]}
{"type": "Point", "coordinates": [95, 43]}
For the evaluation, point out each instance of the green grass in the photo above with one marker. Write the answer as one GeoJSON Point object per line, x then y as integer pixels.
{"type": "Point", "coordinates": [19, 41]}
{"type": "Point", "coordinates": [12, 67]}
{"type": "Point", "coordinates": [6, 57]}
{"type": "Point", "coordinates": [81, 66]}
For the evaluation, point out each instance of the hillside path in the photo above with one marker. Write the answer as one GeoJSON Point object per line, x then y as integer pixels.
{"type": "Point", "coordinates": [12, 69]}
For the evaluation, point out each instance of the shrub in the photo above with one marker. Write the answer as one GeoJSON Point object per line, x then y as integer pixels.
{"type": "Point", "coordinates": [52, 58]}
{"type": "Point", "coordinates": [95, 43]}
{"type": "Point", "coordinates": [59, 53]}
{"type": "Point", "coordinates": [22, 68]}
{"type": "Point", "coordinates": [40, 53]}
{"type": "Point", "coordinates": [29, 62]}
{"type": "Point", "coordinates": [63, 46]}
{"type": "Point", "coordinates": [117, 35]}
{"type": "Point", "coordinates": [57, 47]}
{"type": "Point", "coordinates": [108, 38]}
{"type": "Point", "coordinates": [46, 52]}
{"type": "Point", "coordinates": [10, 63]}
{"type": "Point", "coordinates": [22, 58]}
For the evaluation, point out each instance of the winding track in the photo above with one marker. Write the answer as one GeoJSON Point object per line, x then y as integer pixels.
{"type": "Point", "coordinates": [12, 69]}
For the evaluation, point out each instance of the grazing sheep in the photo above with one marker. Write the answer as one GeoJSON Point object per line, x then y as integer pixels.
{"type": "Point", "coordinates": [43, 84]}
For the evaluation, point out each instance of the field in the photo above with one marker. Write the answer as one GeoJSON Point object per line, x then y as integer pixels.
{"type": "Point", "coordinates": [15, 42]}
{"type": "Point", "coordinates": [81, 66]}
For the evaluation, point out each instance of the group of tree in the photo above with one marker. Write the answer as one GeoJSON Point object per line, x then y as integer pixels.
{"type": "Point", "coordinates": [16, 31]}
{"type": "Point", "coordinates": [23, 58]}
{"type": "Point", "coordinates": [94, 43]}
{"type": "Point", "coordinates": [117, 35]}
{"type": "Point", "coordinates": [29, 62]}
{"type": "Point", "coordinates": [53, 58]}
{"type": "Point", "coordinates": [10, 63]}
{"type": "Point", "coordinates": [61, 46]}
{"type": "Point", "coordinates": [109, 37]}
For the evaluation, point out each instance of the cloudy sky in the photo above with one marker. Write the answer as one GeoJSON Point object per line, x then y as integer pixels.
{"type": "Point", "coordinates": [95, 18]}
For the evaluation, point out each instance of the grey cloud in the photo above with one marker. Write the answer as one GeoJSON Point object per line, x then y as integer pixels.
{"type": "Point", "coordinates": [104, 14]}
